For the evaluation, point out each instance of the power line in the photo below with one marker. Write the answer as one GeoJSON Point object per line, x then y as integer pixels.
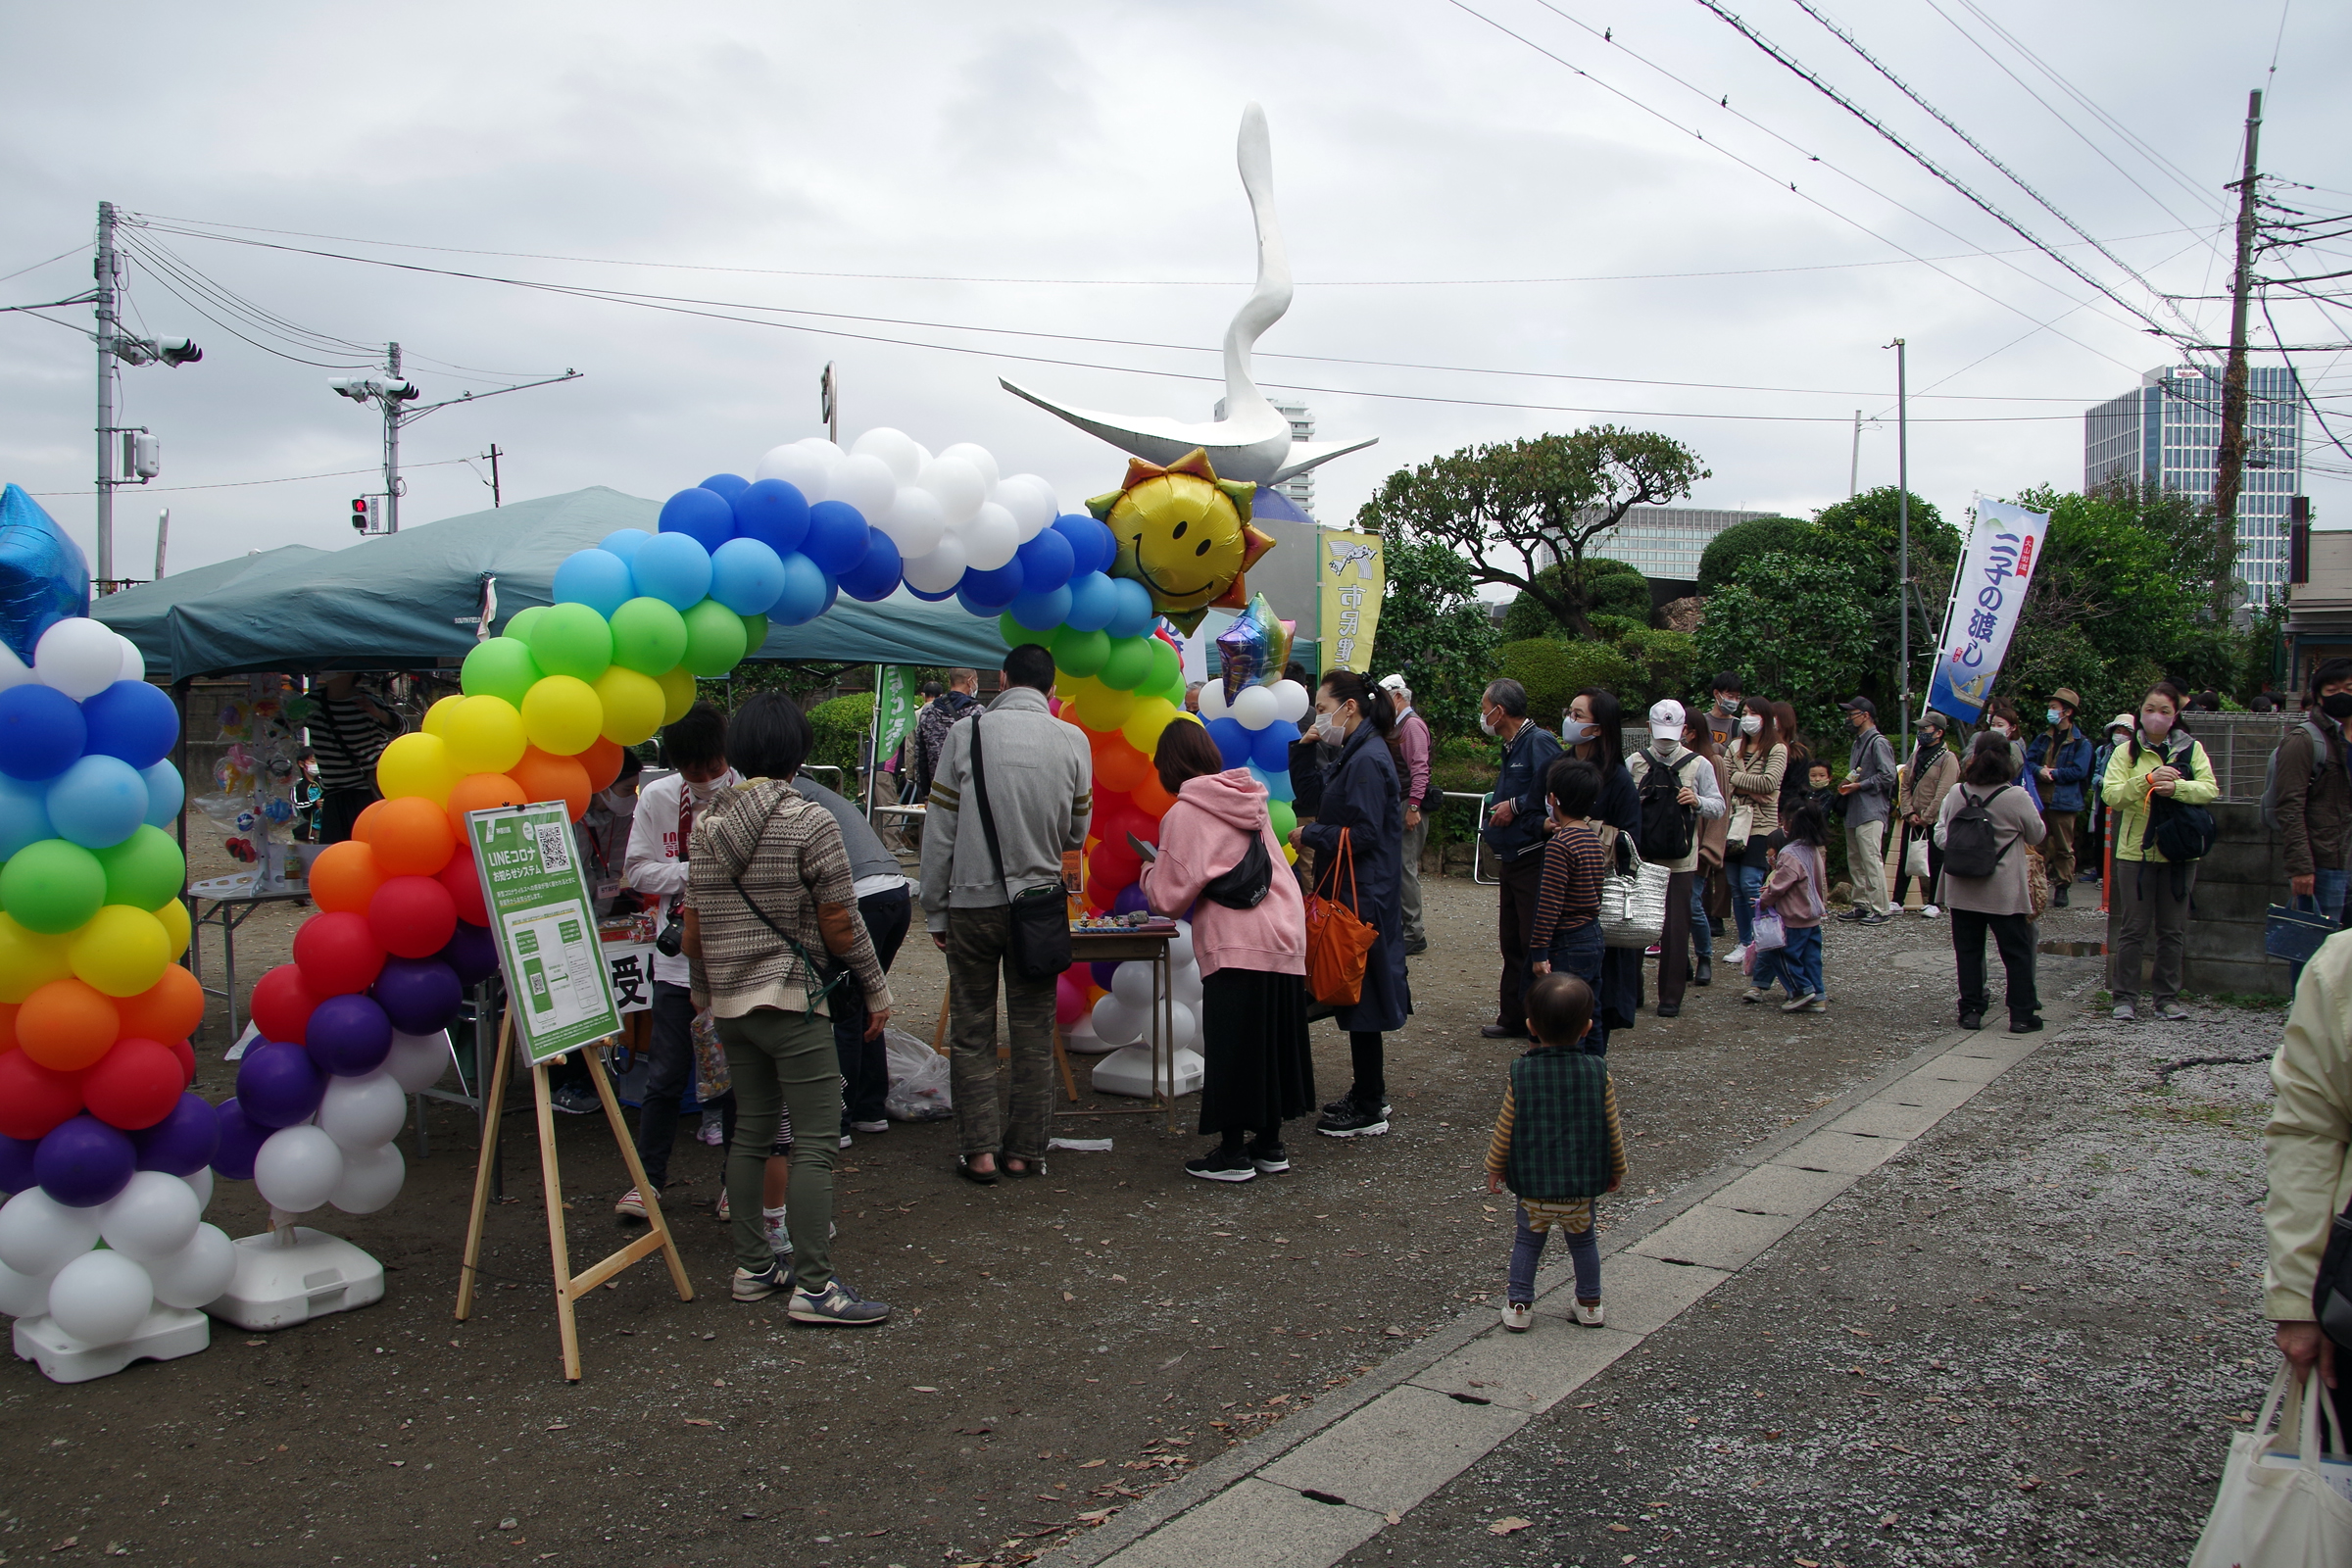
{"type": "Point", "coordinates": [37, 265]}
{"type": "Point", "coordinates": [240, 484]}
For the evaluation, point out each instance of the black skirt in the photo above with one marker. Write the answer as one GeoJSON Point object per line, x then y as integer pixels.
{"type": "Point", "coordinates": [1259, 1071]}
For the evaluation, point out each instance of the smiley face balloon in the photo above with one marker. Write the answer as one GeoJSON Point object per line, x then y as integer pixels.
{"type": "Point", "coordinates": [1185, 534]}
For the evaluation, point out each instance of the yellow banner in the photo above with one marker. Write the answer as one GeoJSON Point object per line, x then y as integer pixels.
{"type": "Point", "coordinates": [1354, 570]}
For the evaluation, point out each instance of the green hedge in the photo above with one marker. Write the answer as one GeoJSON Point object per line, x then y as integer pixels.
{"type": "Point", "coordinates": [841, 725]}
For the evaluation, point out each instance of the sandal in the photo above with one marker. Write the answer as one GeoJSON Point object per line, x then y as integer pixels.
{"type": "Point", "coordinates": [982, 1178]}
{"type": "Point", "coordinates": [1028, 1168]}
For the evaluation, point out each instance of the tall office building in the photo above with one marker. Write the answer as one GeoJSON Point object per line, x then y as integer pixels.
{"type": "Point", "coordinates": [2164, 435]}
{"type": "Point", "coordinates": [1665, 541]}
{"type": "Point", "coordinates": [1299, 488]}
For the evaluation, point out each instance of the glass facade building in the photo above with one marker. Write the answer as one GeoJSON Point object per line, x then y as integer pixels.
{"type": "Point", "coordinates": [2164, 433]}
{"type": "Point", "coordinates": [1666, 541]}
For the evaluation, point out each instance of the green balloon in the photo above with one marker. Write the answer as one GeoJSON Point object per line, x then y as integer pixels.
{"type": "Point", "coordinates": [755, 632]}
{"type": "Point", "coordinates": [1283, 816]}
{"type": "Point", "coordinates": [1173, 690]}
{"type": "Point", "coordinates": [573, 640]}
{"type": "Point", "coordinates": [144, 870]}
{"type": "Point", "coordinates": [1013, 631]}
{"type": "Point", "coordinates": [519, 629]}
{"type": "Point", "coordinates": [1130, 662]}
{"type": "Point", "coordinates": [648, 636]}
{"type": "Point", "coordinates": [52, 886]}
{"type": "Point", "coordinates": [501, 666]}
{"type": "Point", "coordinates": [714, 640]}
{"type": "Point", "coordinates": [1166, 668]}
{"type": "Point", "coordinates": [1081, 652]}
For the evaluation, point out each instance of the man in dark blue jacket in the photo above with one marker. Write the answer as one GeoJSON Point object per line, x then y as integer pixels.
{"type": "Point", "coordinates": [1514, 835]}
{"type": "Point", "coordinates": [2060, 760]}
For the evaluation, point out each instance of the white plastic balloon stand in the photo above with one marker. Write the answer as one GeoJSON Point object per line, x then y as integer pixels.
{"type": "Point", "coordinates": [292, 1274]}
{"type": "Point", "coordinates": [1128, 1071]}
{"type": "Point", "coordinates": [164, 1333]}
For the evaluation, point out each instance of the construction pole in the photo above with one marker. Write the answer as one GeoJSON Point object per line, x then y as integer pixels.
{"type": "Point", "coordinates": [392, 444]}
{"type": "Point", "coordinates": [163, 537]}
{"type": "Point", "coordinates": [1902, 523]}
{"type": "Point", "coordinates": [1853, 470]}
{"type": "Point", "coordinates": [493, 455]}
{"type": "Point", "coordinates": [2229, 459]}
{"type": "Point", "coordinates": [103, 270]}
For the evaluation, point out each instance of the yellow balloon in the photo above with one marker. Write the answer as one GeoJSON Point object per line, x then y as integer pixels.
{"type": "Point", "coordinates": [633, 705]}
{"type": "Point", "coordinates": [561, 715]}
{"type": "Point", "coordinates": [1290, 854]}
{"type": "Point", "coordinates": [678, 693]}
{"type": "Point", "coordinates": [28, 961]}
{"type": "Point", "coordinates": [1105, 708]}
{"type": "Point", "coordinates": [175, 918]}
{"type": "Point", "coordinates": [122, 951]}
{"type": "Point", "coordinates": [484, 735]}
{"type": "Point", "coordinates": [416, 764]}
{"type": "Point", "coordinates": [438, 716]}
{"type": "Point", "coordinates": [1149, 716]}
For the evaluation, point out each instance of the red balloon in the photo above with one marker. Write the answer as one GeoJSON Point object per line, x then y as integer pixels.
{"type": "Point", "coordinates": [465, 886]}
{"type": "Point", "coordinates": [412, 916]}
{"type": "Point", "coordinates": [281, 1005]}
{"type": "Point", "coordinates": [7, 1025]}
{"type": "Point", "coordinates": [134, 1085]}
{"type": "Point", "coordinates": [33, 1098]}
{"type": "Point", "coordinates": [186, 1055]}
{"type": "Point", "coordinates": [338, 954]}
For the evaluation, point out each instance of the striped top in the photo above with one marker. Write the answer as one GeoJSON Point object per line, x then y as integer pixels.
{"type": "Point", "coordinates": [348, 739]}
{"type": "Point", "coordinates": [1569, 897]}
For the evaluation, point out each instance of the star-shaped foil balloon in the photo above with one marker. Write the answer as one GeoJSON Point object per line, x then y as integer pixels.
{"type": "Point", "coordinates": [1254, 647]}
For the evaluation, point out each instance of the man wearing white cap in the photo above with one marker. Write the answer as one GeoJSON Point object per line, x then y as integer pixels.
{"type": "Point", "coordinates": [1412, 744]}
{"type": "Point", "coordinates": [1678, 789]}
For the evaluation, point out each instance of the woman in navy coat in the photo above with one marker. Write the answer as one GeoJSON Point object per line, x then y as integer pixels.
{"type": "Point", "coordinates": [1362, 800]}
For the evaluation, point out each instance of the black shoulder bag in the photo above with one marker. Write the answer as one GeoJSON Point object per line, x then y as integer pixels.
{"type": "Point", "coordinates": [1247, 884]}
{"type": "Point", "coordinates": [832, 973]}
{"type": "Point", "coordinates": [1039, 942]}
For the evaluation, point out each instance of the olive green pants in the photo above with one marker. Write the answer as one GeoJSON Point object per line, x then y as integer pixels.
{"type": "Point", "coordinates": [776, 1059]}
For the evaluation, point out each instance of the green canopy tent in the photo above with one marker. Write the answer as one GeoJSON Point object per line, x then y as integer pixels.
{"type": "Point", "coordinates": [412, 600]}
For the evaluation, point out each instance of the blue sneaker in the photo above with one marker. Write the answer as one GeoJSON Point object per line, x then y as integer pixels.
{"type": "Point", "coordinates": [751, 1287]}
{"type": "Point", "coordinates": [836, 1306]}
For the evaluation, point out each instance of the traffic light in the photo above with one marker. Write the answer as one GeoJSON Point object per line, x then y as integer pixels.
{"type": "Point", "coordinates": [359, 514]}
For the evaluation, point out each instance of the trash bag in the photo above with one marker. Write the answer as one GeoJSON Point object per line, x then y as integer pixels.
{"type": "Point", "coordinates": [918, 1079]}
{"type": "Point", "coordinates": [43, 578]}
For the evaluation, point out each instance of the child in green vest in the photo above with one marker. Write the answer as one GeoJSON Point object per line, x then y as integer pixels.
{"type": "Point", "coordinates": [1557, 1145]}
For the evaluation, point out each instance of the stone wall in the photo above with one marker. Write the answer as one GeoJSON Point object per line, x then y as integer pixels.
{"type": "Point", "coordinates": [2237, 884]}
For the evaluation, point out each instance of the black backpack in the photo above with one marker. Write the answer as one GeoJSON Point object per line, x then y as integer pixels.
{"type": "Point", "coordinates": [1968, 838]}
{"type": "Point", "coordinates": [2180, 832]}
{"type": "Point", "coordinates": [1668, 827]}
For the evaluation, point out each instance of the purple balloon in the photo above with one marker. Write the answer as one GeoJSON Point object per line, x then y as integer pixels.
{"type": "Point", "coordinates": [185, 1141]}
{"type": "Point", "coordinates": [83, 1162]}
{"type": "Point", "coordinates": [472, 953]}
{"type": "Point", "coordinates": [348, 1035]}
{"type": "Point", "coordinates": [1129, 901]}
{"type": "Point", "coordinates": [418, 995]}
{"type": "Point", "coordinates": [241, 1138]}
{"type": "Point", "coordinates": [279, 1085]}
{"type": "Point", "coordinates": [15, 1164]}
{"type": "Point", "coordinates": [1102, 974]}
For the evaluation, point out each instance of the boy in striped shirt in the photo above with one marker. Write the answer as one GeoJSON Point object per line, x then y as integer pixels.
{"type": "Point", "coordinates": [1557, 1145]}
{"type": "Point", "coordinates": [1565, 937]}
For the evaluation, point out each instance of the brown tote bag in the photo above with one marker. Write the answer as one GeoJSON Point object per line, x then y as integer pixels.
{"type": "Point", "coordinates": [1337, 942]}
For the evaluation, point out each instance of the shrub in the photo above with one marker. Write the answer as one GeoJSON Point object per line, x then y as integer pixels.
{"type": "Point", "coordinates": [1547, 668]}
{"type": "Point", "coordinates": [1666, 660]}
{"type": "Point", "coordinates": [1729, 549]}
{"type": "Point", "coordinates": [841, 725]}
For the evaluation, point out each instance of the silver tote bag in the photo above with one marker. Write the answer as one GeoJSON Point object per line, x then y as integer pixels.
{"type": "Point", "coordinates": [1632, 900]}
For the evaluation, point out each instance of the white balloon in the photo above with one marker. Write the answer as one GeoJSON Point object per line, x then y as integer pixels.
{"type": "Point", "coordinates": [956, 485]}
{"type": "Point", "coordinates": [1180, 945]}
{"type": "Point", "coordinates": [1185, 985]}
{"type": "Point", "coordinates": [1030, 500]}
{"type": "Point", "coordinates": [196, 1274]}
{"type": "Point", "coordinates": [895, 448]}
{"type": "Point", "coordinates": [865, 482]}
{"type": "Point", "coordinates": [804, 467]}
{"type": "Point", "coordinates": [201, 1184]}
{"type": "Point", "coordinates": [38, 1235]}
{"type": "Point", "coordinates": [1186, 1032]}
{"type": "Point", "coordinates": [296, 1168]}
{"type": "Point", "coordinates": [1212, 700]}
{"type": "Point", "coordinates": [822, 447]}
{"type": "Point", "coordinates": [22, 1295]}
{"type": "Point", "coordinates": [79, 657]}
{"type": "Point", "coordinates": [922, 455]}
{"type": "Point", "coordinates": [914, 522]}
{"type": "Point", "coordinates": [991, 537]}
{"type": "Point", "coordinates": [1130, 983]}
{"type": "Point", "coordinates": [14, 671]}
{"type": "Point", "coordinates": [980, 458]}
{"type": "Point", "coordinates": [418, 1061]}
{"type": "Point", "coordinates": [1255, 708]}
{"type": "Point", "coordinates": [134, 662]}
{"type": "Point", "coordinates": [940, 571]}
{"type": "Point", "coordinates": [99, 1297]}
{"type": "Point", "coordinates": [372, 1178]}
{"type": "Point", "coordinates": [1114, 1025]}
{"type": "Point", "coordinates": [1291, 701]}
{"type": "Point", "coordinates": [1080, 1039]}
{"type": "Point", "coordinates": [151, 1218]}
{"type": "Point", "coordinates": [361, 1112]}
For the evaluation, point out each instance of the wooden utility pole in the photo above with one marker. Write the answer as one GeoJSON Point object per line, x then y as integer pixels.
{"type": "Point", "coordinates": [2229, 459]}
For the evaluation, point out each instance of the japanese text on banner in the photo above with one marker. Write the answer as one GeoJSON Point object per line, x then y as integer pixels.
{"type": "Point", "coordinates": [1355, 573]}
{"type": "Point", "coordinates": [1996, 570]}
{"type": "Point", "coordinates": [896, 705]}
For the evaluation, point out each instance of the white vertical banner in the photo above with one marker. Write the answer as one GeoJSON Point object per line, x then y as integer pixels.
{"type": "Point", "coordinates": [1990, 595]}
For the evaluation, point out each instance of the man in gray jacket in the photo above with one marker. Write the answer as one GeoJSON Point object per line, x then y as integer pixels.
{"type": "Point", "coordinates": [1039, 777]}
{"type": "Point", "coordinates": [1869, 790]}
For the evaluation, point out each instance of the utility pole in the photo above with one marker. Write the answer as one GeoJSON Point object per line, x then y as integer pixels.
{"type": "Point", "coordinates": [1853, 470]}
{"type": "Point", "coordinates": [1902, 523]}
{"type": "Point", "coordinates": [391, 405]}
{"type": "Point", "coordinates": [828, 389]}
{"type": "Point", "coordinates": [493, 455]}
{"type": "Point", "coordinates": [2229, 460]}
{"type": "Point", "coordinates": [163, 536]}
{"type": "Point", "coordinates": [105, 268]}
{"type": "Point", "coordinates": [390, 392]}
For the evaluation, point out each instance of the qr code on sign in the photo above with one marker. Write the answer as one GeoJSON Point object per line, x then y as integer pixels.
{"type": "Point", "coordinates": [555, 846]}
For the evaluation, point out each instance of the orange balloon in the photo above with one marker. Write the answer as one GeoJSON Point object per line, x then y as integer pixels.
{"type": "Point", "coordinates": [479, 792]}
{"type": "Point", "coordinates": [544, 777]}
{"type": "Point", "coordinates": [344, 877]}
{"type": "Point", "coordinates": [66, 1025]}
{"type": "Point", "coordinates": [1121, 768]}
{"type": "Point", "coordinates": [170, 1010]}
{"type": "Point", "coordinates": [602, 760]}
{"type": "Point", "coordinates": [1150, 797]}
{"type": "Point", "coordinates": [411, 837]}
{"type": "Point", "coordinates": [8, 1026]}
{"type": "Point", "coordinates": [367, 815]}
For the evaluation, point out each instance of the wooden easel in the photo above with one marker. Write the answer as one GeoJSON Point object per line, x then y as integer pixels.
{"type": "Point", "coordinates": [570, 1287]}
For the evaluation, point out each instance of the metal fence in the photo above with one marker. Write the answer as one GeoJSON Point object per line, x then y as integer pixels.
{"type": "Point", "coordinates": [2241, 747]}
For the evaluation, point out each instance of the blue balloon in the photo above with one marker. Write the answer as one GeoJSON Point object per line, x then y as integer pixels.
{"type": "Point", "coordinates": [995, 589]}
{"type": "Point", "coordinates": [1092, 546]}
{"type": "Point", "coordinates": [1270, 747]}
{"type": "Point", "coordinates": [133, 720]}
{"type": "Point", "coordinates": [832, 595]}
{"type": "Point", "coordinates": [1093, 601]}
{"type": "Point", "coordinates": [1043, 612]}
{"type": "Point", "coordinates": [42, 731]}
{"type": "Point", "coordinates": [802, 599]}
{"type": "Point", "coordinates": [98, 802]}
{"type": "Point", "coordinates": [624, 542]}
{"type": "Point", "coordinates": [876, 577]}
{"type": "Point", "coordinates": [837, 535]}
{"type": "Point", "coordinates": [1046, 562]}
{"type": "Point", "coordinates": [1135, 615]}
{"type": "Point", "coordinates": [167, 792]}
{"type": "Point", "coordinates": [775, 513]}
{"type": "Point", "coordinates": [597, 579]}
{"type": "Point", "coordinates": [703, 515]}
{"type": "Point", "coordinates": [1278, 784]}
{"type": "Point", "coordinates": [23, 815]}
{"type": "Point", "coordinates": [945, 593]}
{"type": "Point", "coordinates": [43, 578]}
{"type": "Point", "coordinates": [728, 485]}
{"type": "Point", "coordinates": [672, 567]}
{"type": "Point", "coordinates": [745, 576]}
{"type": "Point", "coordinates": [1233, 741]}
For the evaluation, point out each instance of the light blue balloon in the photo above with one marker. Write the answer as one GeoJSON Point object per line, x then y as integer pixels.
{"type": "Point", "coordinates": [803, 597]}
{"type": "Point", "coordinates": [675, 569]}
{"type": "Point", "coordinates": [1043, 612]}
{"type": "Point", "coordinates": [167, 792]}
{"type": "Point", "coordinates": [98, 802]}
{"type": "Point", "coordinates": [23, 815]}
{"type": "Point", "coordinates": [597, 579]}
{"type": "Point", "coordinates": [624, 542]}
{"type": "Point", "coordinates": [1134, 615]}
{"type": "Point", "coordinates": [1277, 785]}
{"type": "Point", "coordinates": [1093, 601]}
{"type": "Point", "coordinates": [745, 576]}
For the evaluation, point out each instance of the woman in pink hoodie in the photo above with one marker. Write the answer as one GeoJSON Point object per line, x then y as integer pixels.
{"type": "Point", "coordinates": [1249, 939]}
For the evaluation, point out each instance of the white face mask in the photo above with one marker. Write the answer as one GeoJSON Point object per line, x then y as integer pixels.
{"type": "Point", "coordinates": [1328, 730]}
{"type": "Point", "coordinates": [703, 794]}
{"type": "Point", "coordinates": [1664, 741]}
{"type": "Point", "coordinates": [1575, 733]}
{"type": "Point", "coordinates": [1488, 724]}
{"type": "Point", "coordinates": [1752, 724]}
{"type": "Point", "coordinates": [621, 803]}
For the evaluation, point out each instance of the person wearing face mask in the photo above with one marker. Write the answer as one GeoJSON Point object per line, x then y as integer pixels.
{"type": "Point", "coordinates": [1678, 791]}
{"type": "Point", "coordinates": [601, 838]}
{"type": "Point", "coordinates": [2002, 719]}
{"type": "Point", "coordinates": [1514, 835]}
{"type": "Point", "coordinates": [1595, 731]}
{"type": "Point", "coordinates": [1723, 702]}
{"type": "Point", "coordinates": [2119, 731]}
{"type": "Point", "coordinates": [1759, 767]}
{"type": "Point", "coordinates": [2059, 763]}
{"type": "Point", "coordinates": [2314, 794]}
{"type": "Point", "coordinates": [1412, 749]}
{"type": "Point", "coordinates": [1869, 788]}
{"type": "Point", "coordinates": [2150, 893]}
{"type": "Point", "coordinates": [1931, 772]}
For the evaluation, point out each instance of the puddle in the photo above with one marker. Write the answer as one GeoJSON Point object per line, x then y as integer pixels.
{"type": "Point", "coordinates": [2072, 949]}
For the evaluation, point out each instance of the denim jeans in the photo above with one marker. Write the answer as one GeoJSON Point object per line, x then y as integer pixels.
{"type": "Point", "coordinates": [2326, 898]}
{"type": "Point", "coordinates": [1800, 962]}
{"type": "Point", "coordinates": [1527, 1250]}
{"type": "Point", "coordinates": [667, 1080]}
{"type": "Point", "coordinates": [1747, 882]}
{"type": "Point", "coordinates": [1579, 952]}
{"type": "Point", "coordinates": [1703, 935]}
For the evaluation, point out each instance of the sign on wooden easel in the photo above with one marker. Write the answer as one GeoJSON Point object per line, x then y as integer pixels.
{"type": "Point", "coordinates": [558, 999]}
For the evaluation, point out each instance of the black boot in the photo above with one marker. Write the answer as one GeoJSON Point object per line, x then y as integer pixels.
{"type": "Point", "coordinates": [1705, 974]}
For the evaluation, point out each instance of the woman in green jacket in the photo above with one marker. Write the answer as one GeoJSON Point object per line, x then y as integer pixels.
{"type": "Point", "coordinates": [2160, 759]}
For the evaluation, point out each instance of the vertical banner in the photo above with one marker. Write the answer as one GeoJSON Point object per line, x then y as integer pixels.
{"type": "Point", "coordinates": [560, 993]}
{"type": "Point", "coordinates": [896, 705]}
{"type": "Point", "coordinates": [1988, 597]}
{"type": "Point", "coordinates": [1355, 571]}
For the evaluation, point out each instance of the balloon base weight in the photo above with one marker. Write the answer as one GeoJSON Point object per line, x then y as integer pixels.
{"type": "Point", "coordinates": [1128, 1071]}
{"type": "Point", "coordinates": [163, 1335]}
{"type": "Point", "coordinates": [289, 1277]}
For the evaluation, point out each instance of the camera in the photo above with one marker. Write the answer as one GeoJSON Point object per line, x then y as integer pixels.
{"type": "Point", "coordinates": [672, 940]}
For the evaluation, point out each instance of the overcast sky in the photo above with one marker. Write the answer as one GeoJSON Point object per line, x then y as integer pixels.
{"type": "Point", "coordinates": [1064, 173]}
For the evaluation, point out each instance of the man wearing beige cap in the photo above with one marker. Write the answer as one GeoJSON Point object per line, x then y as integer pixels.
{"type": "Point", "coordinates": [2060, 760]}
{"type": "Point", "coordinates": [1412, 744]}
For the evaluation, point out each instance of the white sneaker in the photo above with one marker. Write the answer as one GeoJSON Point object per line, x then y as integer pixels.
{"type": "Point", "coordinates": [1589, 1316]}
{"type": "Point", "coordinates": [847, 1139]}
{"type": "Point", "coordinates": [1737, 957]}
{"type": "Point", "coordinates": [2124, 1013]}
{"type": "Point", "coordinates": [1928, 912]}
{"type": "Point", "coordinates": [1517, 1315]}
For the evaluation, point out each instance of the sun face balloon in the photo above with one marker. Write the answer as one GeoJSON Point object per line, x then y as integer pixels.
{"type": "Point", "coordinates": [1185, 534]}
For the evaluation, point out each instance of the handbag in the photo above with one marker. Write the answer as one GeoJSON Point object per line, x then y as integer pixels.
{"type": "Point", "coordinates": [1337, 942]}
{"type": "Point", "coordinates": [834, 972]}
{"type": "Point", "coordinates": [2281, 1500]}
{"type": "Point", "coordinates": [2294, 932]}
{"type": "Point", "coordinates": [1247, 884]}
{"type": "Point", "coordinates": [1632, 900]}
{"type": "Point", "coordinates": [2037, 883]}
{"type": "Point", "coordinates": [1769, 931]}
{"type": "Point", "coordinates": [1038, 942]}
{"type": "Point", "coordinates": [1915, 857]}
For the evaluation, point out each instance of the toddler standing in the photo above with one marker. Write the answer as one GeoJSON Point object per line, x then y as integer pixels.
{"type": "Point", "coordinates": [1557, 1145]}
{"type": "Point", "coordinates": [1798, 892]}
